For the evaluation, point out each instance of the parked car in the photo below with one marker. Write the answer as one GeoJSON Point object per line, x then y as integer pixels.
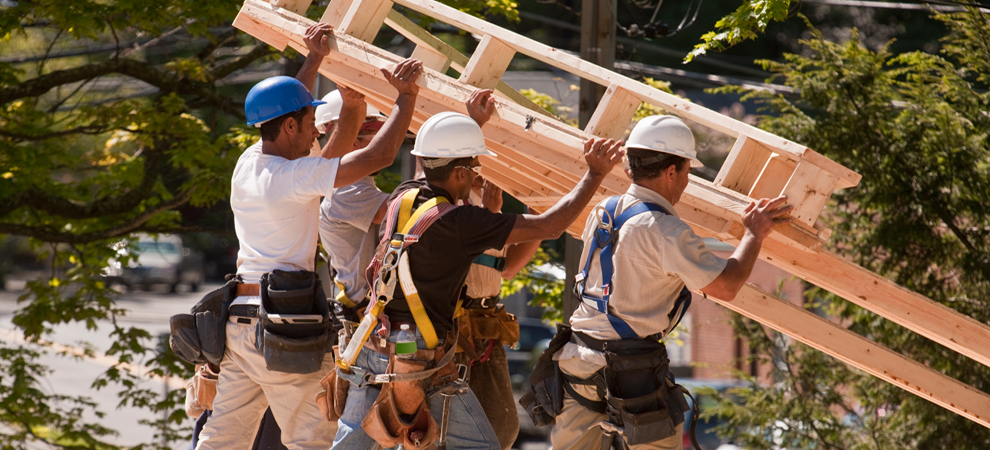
{"type": "Point", "coordinates": [163, 261]}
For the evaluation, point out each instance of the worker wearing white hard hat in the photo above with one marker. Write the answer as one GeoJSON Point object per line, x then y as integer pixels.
{"type": "Point", "coordinates": [450, 145]}
{"type": "Point", "coordinates": [641, 263]}
{"type": "Point", "coordinates": [350, 217]}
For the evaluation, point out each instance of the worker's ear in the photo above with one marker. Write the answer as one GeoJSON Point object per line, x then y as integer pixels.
{"type": "Point", "coordinates": [670, 173]}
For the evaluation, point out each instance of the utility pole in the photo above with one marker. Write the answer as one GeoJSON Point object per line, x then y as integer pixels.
{"type": "Point", "coordinates": [598, 47]}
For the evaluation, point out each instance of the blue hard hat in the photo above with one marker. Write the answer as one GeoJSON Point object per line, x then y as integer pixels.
{"type": "Point", "coordinates": [276, 96]}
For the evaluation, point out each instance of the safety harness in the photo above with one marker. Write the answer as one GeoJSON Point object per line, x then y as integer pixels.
{"type": "Point", "coordinates": [606, 237]}
{"type": "Point", "coordinates": [391, 266]}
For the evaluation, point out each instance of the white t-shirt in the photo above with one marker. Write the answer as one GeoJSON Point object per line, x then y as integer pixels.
{"type": "Point", "coordinates": [276, 206]}
{"type": "Point", "coordinates": [348, 234]}
{"type": "Point", "coordinates": [656, 255]}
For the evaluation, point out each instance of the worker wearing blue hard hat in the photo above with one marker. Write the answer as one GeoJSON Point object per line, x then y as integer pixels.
{"type": "Point", "coordinates": [275, 197]}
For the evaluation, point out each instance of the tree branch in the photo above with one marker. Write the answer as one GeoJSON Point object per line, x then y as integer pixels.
{"type": "Point", "coordinates": [51, 234]}
{"type": "Point", "coordinates": [88, 129]}
{"type": "Point", "coordinates": [73, 209]}
{"type": "Point", "coordinates": [259, 51]}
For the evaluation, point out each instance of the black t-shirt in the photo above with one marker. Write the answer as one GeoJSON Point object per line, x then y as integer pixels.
{"type": "Point", "coordinates": [440, 261]}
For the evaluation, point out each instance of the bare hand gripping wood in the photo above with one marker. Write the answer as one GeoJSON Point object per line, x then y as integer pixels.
{"type": "Point", "coordinates": [540, 160]}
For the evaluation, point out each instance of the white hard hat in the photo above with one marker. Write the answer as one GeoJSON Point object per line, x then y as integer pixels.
{"type": "Point", "coordinates": [328, 113]}
{"type": "Point", "coordinates": [450, 135]}
{"type": "Point", "coordinates": [664, 134]}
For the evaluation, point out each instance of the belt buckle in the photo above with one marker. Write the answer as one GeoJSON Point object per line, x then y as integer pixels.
{"type": "Point", "coordinates": [489, 302]}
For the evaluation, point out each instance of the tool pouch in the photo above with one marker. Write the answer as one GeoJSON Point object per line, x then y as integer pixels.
{"type": "Point", "coordinates": [494, 323]}
{"type": "Point", "coordinates": [545, 399]}
{"type": "Point", "coordinates": [200, 336]}
{"type": "Point", "coordinates": [409, 395]}
{"type": "Point", "coordinates": [637, 390]}
{"type": "Point", "coordinates": [334, 396]}
{"type": "Point", "coordinates": [201, 390]}
{"type": "Point", "coordinates": [389, 427]}
{"type": "Point", "coordinates": [299, 346]}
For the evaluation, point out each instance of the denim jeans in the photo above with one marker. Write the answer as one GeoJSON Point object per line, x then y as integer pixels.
{"type": "Point", "coordinates": [468, 427]}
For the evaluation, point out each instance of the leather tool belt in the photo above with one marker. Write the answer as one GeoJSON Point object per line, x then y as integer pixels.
{"type": "Point", "coordinates": [487, 324]}
{"type": "Point", "coordinates": [200, 336]}
{"type": "Point", "coordinates": [480, 303]}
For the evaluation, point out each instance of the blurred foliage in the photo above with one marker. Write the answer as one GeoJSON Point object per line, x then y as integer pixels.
{"type": "Point", "coordinates": [915, 125]}
{"type": "Point", "coordinates": [547, 289]}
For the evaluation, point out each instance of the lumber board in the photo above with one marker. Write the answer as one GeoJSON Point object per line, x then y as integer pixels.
{"type": "Point", "coordinates": [861, 353]}
{"type": "Point", "coordinates": [613, 114]}
{"type": "Point", "coordinates": [605, 78]}
{"type": "Point", "coordinates": [431, 58]}
{"type": "Point", "coordinates": [296, 6]}
{"type": "Point", "coordinates": [773, 178]}
{"type": "Point", "coordinates": [487, 64]}
{"type": "Point", "coordinates": [458, 61]}
{"type": "Point", "coordinates": [743, 165]}
{"type": "Point", "coordinates": [364, 18]}
{"type": "Point", "coordinates": [809, 189]}
{"type": "Point", "coordinates": [711, 209]}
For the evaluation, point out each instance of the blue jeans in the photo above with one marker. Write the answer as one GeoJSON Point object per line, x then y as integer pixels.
{"type": "Point", "coordinates": [468, 427]}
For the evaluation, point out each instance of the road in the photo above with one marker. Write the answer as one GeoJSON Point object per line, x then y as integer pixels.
{"type": "Point", "coordinates": [73, 376]}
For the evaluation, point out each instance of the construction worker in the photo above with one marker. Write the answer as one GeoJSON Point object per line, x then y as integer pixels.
{"type": "Point", "coordinates": [640, 263]}
{"type": "Point", "coordinates": [275, 196]}
{"type": "Point", "coordinates": [485, 325]}
{"type": "Point", "coordinates": [437, 265]}
{"type": "Point", "coordinates": [349, 219]}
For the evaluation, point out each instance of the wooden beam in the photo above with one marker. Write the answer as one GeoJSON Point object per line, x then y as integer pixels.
{"type": "Point", "coordinates": [364, 19]}
{"type": "Point", "coordinates": [603, 77]}
{"type": "Point", "coordinates": [808, 189]}
{"type": "Point", "coordinates": [773, 178]}
{"type": "Point", "coordinates": [334, 14]}
{"type": "Point", "coordinates": [614, 112]}
{"type": "Point", "coordinates": [296, 6]}
{"type": "Point", "coordinates": [861, 353]}
{"type": "Point", "coordinates": [743, 165]}
{"type": "Point", "coordinates": [487, 64]}
{"type": "Point", "coordinates": [431, 58]}
{"type": "Point", "coordinates": [458, 61]}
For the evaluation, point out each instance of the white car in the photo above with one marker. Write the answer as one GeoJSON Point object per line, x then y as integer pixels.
{"type": "Point", "coordinates": [161, 260]}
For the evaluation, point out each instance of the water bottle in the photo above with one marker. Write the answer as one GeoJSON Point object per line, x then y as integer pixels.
{"type": "Point", "coordinates": [405, 343]}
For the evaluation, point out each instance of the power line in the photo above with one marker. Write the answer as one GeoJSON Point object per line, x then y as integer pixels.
{"type": "Point", "coordinates": [935, 5]}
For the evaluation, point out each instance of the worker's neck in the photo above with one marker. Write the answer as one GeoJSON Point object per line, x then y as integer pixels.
{"type": "Point", "coordinates": [660, 187]}
{"type": "Point", "coordinates": [278, 147]}
{"type": "Point", "coordinates": [451, 187]}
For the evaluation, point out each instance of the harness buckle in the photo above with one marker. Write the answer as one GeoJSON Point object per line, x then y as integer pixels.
{"type": "Point", "coordinates": [604, 233]}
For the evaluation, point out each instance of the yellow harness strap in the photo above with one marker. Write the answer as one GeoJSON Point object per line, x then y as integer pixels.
{"type": "Point", "coordinates": [342, 295]}
{"type": "Point", "coordinates": [408, 219]}
{"type": "Point", "coordinates": [406, 209]}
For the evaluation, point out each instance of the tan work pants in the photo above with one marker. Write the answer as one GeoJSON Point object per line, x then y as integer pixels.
{"type": "Point", "coordinates": [576, 427]}
{"type": "Point", "coordinates": [246, 388]}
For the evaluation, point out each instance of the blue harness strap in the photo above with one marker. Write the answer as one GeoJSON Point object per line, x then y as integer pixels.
{"type": "Point", "coordinates": [605, 238]}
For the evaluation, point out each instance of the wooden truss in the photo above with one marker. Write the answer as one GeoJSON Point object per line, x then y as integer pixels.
{"type": "Point", "coordinates": [539, 160]}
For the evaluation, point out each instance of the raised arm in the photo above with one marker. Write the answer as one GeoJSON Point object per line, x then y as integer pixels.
{"type": "Point", "coordinates": [601, 155]}
{"type": "Point", "coordinates": [317, 41]}
{"type": "Point", "coordinates": [759, 218]}
{"type": "Point", "coordinates": [345, 132]}
{"type": "Point", "coordinates": [381, 151]}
